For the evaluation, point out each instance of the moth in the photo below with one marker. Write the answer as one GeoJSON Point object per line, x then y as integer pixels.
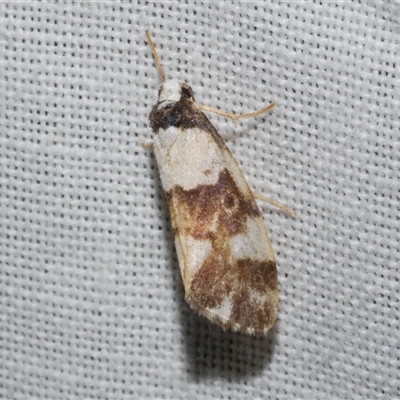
{"type": "Point", "coordinates": [225, 256]}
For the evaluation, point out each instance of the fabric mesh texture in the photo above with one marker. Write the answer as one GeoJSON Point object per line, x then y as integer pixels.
{"type": "Point", "coordinates": [91, 297]}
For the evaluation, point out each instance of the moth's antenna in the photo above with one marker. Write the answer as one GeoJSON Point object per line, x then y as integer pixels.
{"type": "Point", "coordinates": [160, 69]}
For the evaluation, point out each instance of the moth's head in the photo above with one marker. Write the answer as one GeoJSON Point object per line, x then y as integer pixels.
{"type": "Point", "coordinates": [173, 90]}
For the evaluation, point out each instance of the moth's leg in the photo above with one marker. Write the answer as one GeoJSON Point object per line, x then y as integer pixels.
{"type": "Point", "coordinates": [147, 146]}
{"type": "Point", "coordinates": [275, 203]}
{"type": "Point", "coordinates": [235, 117]}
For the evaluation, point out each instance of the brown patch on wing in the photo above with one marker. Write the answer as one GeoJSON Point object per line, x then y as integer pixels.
{"type": "Point", "coordinates": [259, 277]}
{"type": "Point", "coordinates": [244, 282]}
{"type": "Point", "coordinates": [212, 211]}
{"type": "Point", "coordinates": [217, 213]}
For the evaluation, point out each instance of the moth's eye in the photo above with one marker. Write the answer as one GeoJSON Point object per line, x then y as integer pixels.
{"type": "Point", "coordinates": [186, 92]}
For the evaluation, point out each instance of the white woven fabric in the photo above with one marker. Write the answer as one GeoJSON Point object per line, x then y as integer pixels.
{"type": "Point", "coordinates": [92, 303]}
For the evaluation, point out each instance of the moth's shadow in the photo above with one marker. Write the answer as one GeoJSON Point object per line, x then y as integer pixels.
{"type": "Point", "coordinates": [209, 351]}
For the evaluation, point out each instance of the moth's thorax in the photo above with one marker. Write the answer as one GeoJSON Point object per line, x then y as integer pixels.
{"type": "Point", "coordinates": [176, 107]}
{"type": "Point", "coordinates": [172, 91]}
